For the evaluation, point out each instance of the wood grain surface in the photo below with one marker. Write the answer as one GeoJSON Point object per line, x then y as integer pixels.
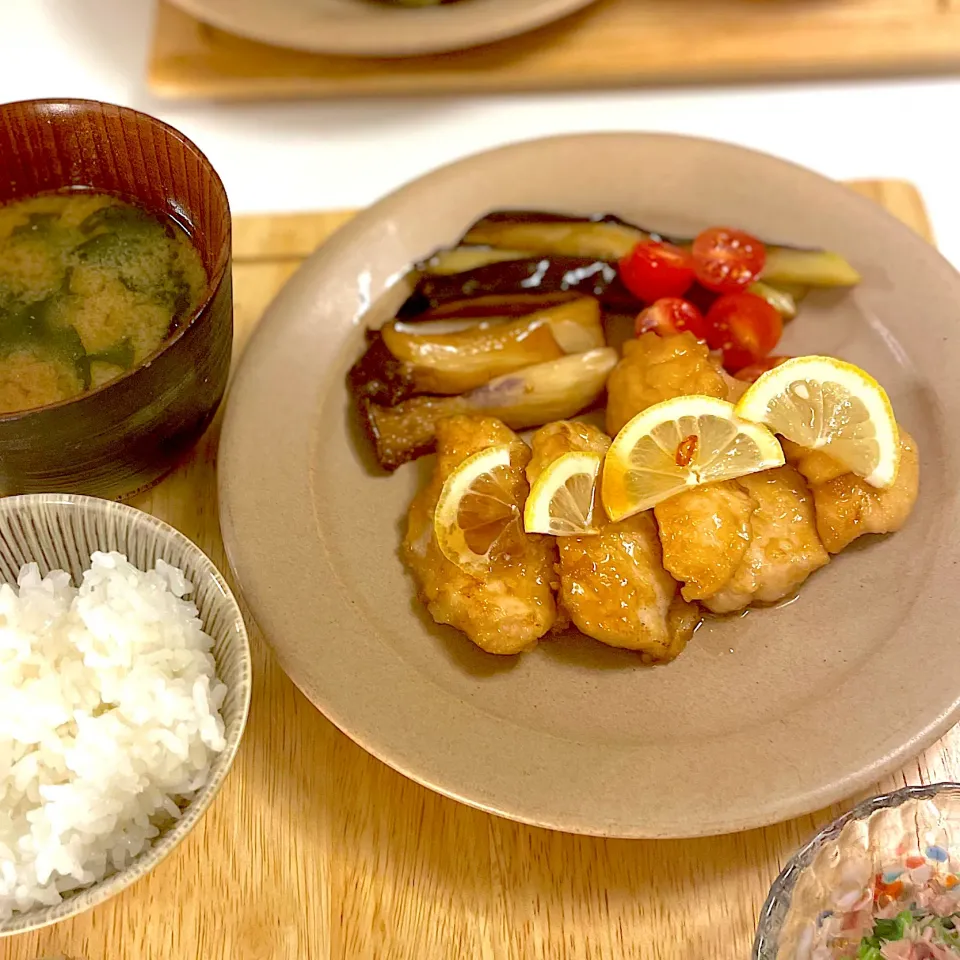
{"type": "Point", "coordinates": [614, 43]}
{"type": "Point", "coordinates": [315, 850]}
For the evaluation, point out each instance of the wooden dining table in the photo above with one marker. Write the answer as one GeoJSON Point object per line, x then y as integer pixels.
{"type": "Point", "coordinates": [314, 850]}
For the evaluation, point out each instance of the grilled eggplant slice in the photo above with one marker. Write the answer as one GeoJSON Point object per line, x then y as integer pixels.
{"type": "Point", "coordinates": [378, 376]}
{"type": "Point", "coordinates": [408, 431]}
{"type": "Point", "coordinates": [452, 363]}
{"type": "Point", "coordinates": [549, 391]}
{"type": "Point", "coordinates": [577, 325]}
{"type": "Point", "coordinates": [518, 286]}
{"type": "Point", "coordinates": [780, 300]}
{"type": "Point", "coordinates": [610, 238]}
{"type": "Point", "coordinates": [460, 259]}
{"type": "Point", "coordinates": [487, 307]}
{"type": "Point", "coordinates": [527, 398]}
{"type": "Point", "coordinates": [796, 290]}
{"type": "Point", "coordinates": [601, 237]}
{"type": "Point", "coordinates": [452, 357]}
{"type": "Point", "coordinates": [811, 268]}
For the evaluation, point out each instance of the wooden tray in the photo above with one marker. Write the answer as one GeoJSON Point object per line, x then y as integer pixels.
{"type": "Point", "coordinates": [615, 43]}
{"type": "Point", "coordinates": [315, 850]}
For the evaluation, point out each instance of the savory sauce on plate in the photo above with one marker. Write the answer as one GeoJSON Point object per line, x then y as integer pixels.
{"type": "Point", "coordinates": [90, 286]}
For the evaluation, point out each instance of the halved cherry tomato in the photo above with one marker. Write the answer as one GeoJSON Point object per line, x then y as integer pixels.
{"type": "Point", "coordinates": [745, 327]}
{"type": "Point", "coordinates": [756, 370]}
{"type": "Point", "coordinates": [727, 260]}
{"type": "Point", "coordinates": [701, 297]}
{"type": "Point", "coordinates": [654, 270]}
{"type": "Point", "coordinates": [669, 316]}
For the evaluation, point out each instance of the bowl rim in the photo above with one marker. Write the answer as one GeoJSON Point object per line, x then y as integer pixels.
{"type": "Point", "coordinates": [782, 887]}
{"type": "Point", "coordinates": [84, 899]}
{"type": "Point", "coordinates": [214, 279]}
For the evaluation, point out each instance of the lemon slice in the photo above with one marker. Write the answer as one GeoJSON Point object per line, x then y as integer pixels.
{"type": "Point", "coordinates": [478, 514]}
{"type": "Point", "coordinates": [826, 404]}
{"type": "Point", "coordinates": [562, 499]}
{"type": "Point", "coordinates": [681, 443]}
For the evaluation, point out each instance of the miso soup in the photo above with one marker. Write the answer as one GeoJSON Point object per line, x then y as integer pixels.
{"type": "Point", "coordinates": [89, 287]}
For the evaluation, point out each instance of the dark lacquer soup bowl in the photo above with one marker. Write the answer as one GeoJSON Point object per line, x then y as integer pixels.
{"type": "Point", "coordinates": [117, 438]}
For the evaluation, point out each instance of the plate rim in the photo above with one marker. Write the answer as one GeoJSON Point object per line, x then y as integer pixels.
{"type": "Point", "coordinates": [355, 43]}
{"type": "Point", "coordinates": [801, 803]}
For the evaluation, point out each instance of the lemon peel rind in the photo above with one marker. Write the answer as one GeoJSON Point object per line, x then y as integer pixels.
{"type": "Point", "coordinates": [448, 503]}
{"type": "Point", "coordinates": [756, 401]}
{"type": "Point", "coordinates": [536, 513]}
{"type": "Point", "coordinates": [694, 406]}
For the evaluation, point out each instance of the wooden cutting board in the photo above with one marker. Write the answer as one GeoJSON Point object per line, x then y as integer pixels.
{"type": "Point", "coordinates": [316, 851]}
{"type": "Point", "coordinates": [615, 43]}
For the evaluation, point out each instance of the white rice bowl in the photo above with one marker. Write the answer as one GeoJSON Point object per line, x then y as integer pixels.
{"type": "Point", "coordinates": [109, 722]}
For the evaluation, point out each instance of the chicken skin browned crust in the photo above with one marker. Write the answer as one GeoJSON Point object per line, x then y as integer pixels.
{"type": "Point", "coordinates": [612, 584]}
{"type": "Point", "coordinates": [511, 605]}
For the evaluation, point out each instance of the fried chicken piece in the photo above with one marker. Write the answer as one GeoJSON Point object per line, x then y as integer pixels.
{"type": "Point", "coordinates": [655, 368]}
{"type": "Point", "coordinates": [815, 465]}
{"type": "Point", "coordinates": [613, 585]}
{"type": "Point", "coordinates": [784, 546]}
{"type": "Point", "coordinates": [616, 590]}
{"type": "Point", "coordinates": [555, 439]}
{"type": "Point", "coordinates": [846, 505]}
{"type": "Point", "coordinates": [705, 533]}
{"type": "Point", "coordinates": [512, 605]}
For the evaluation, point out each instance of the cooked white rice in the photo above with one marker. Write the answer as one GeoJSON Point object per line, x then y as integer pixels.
{"type": "Point", "coordinates": [109, 717]}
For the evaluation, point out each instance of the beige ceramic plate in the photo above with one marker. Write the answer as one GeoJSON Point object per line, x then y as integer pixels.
{"type": "Point", "coordinates": [761, 718]}
{"type": "Point", "coordinates": [368, 28]}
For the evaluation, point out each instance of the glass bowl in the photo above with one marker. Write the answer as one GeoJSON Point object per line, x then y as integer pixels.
{"type": "Point", "coordinates": [912, 832]}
